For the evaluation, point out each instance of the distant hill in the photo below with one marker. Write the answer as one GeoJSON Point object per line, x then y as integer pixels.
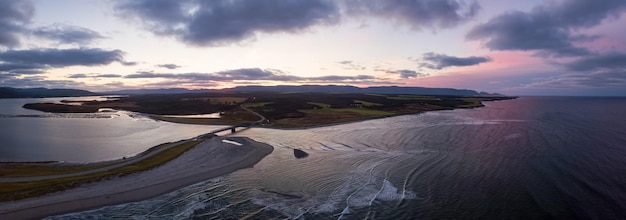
{"type": "Point", "coordinates": [318, 89]}
{"type": "Point", "coordinates": [158, 91]}
{"type": "Point", "coordinates": [8, 92]}
{"type": "Point", "coordinates": [352, 89]}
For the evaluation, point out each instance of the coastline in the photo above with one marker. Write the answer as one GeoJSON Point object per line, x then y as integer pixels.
{"type": "Point", "coordinates": [209, 159]}
{"type": "Point", "coordinates": [361, 120]}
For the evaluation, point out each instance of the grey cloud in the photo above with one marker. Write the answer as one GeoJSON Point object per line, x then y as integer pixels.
{"type": "Point", "coordinates": [229, 75]}
{"type": "Point", "coordinates": [38, 81]}
{"type": "Point", "coordinates": [604, 79]}
{"type": "Point", "coordinates": [219, 22]}
{"type": "Point", "coordinates": [67, 34]}
{"type": "Point", "coordinates": [244, 74]}
{"type": "Point", "coordinates": [181, 83]}
{"type": "Point", "coordinates": [251, 74]}
{"type": "Point", "coordinates": [61, 57]}
{"type": "Point", "coordinates": [549, 29]}
{"type": "Point", "coordinates": [440, 61]}
{"type": "Point", "coordinates": [107, 75]}
{"type": "Point", "coordinates": [210, 23]}
{"type": "Point", "coordinates": [19, 66]}
{"type": "Point", "coordinates": [351, 65]}
{"type": "Point", "coordinates": [27, 71]}
{"type": "Point", "coordinates": [614, 60]}
{"type": "Point", "coordinates": [169, 66]}
{"type": "Point", "coordinates": [78, 76]}
{"type": "Point", "coordinates": [406, 74]}
{"type": "Point", "coordinates": [93, 75]}
{"type": "Point", "coordinates": [128, 63]}
{"type": "Point", "coordinates": [14, 15]}
{"type": "Point", "coordinates": [148, 75]}
{"type": "Point", "coordinates": [333, 78]}
{"type": "Point", "coordinates": [417, 13]}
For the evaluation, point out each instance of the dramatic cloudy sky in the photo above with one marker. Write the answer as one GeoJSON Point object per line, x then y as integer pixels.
{"type": "Point", "coordinates": [531, 47]}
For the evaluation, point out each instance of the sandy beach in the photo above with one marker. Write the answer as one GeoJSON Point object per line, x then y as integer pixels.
{"type": "Point", "coordinates": [209, 159]}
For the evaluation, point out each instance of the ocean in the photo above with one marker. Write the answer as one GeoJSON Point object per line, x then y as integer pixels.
{"type": "Point", "coordinates": [528, 158]}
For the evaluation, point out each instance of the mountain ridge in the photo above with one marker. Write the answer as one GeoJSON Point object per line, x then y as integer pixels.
{"type": "Point", "coordinates": [8, 92]}
{"type": "Point", "coordinates": [317, 89]}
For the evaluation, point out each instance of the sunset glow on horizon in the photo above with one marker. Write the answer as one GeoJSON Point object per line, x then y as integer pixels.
{"type": "Point", "coordinates": [539, 47]}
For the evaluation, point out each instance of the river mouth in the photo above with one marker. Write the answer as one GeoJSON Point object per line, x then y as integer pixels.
{"type": "Point", "coordinates": [29, 135]}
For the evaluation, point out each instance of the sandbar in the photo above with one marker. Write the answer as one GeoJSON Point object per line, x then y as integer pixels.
{"type": "Point", "coordinates": [209, 159]}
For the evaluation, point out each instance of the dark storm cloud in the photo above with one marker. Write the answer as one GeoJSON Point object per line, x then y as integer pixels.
{"type": "Point", "coordinates": [219, 22]}
{"type": "Point", "coordinates": [614, 60]}
{"type": "Point", "coordinates": [67, 34]}
{"type": "Point", "coordinates": [406, 74]}
{"type": "Point", "coordinates": [62, 57]}
{"type": "Point", "coordinates": [549, 29]}
{"type": "Point", "coordinates": [252, 74]}
{"type": "Point", "coordinates": [440, 61]}
{"type": "Point", "coordinates": [209, 23]}
{"type": "Point", "coordinates": [14, 15]}
{"type": "Point", "coordinates": [417, 13]}
{"type": "Point", "coordinates": [169, 66]}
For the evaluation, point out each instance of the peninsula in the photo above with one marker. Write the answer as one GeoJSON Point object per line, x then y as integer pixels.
{"type": "Point", "coordinates": [203, 160]}
{"type": "Point", "coordinates": [281, 109]}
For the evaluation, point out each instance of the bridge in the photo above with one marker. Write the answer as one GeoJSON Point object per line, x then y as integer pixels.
{"type": "Point", "coordinates": [233, 128]}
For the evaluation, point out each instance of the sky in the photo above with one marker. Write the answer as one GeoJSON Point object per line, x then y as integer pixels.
{"type": "Point", "coordinates": [532, 47]}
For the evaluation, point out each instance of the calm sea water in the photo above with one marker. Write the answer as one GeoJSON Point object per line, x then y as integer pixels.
{"type": "Point", "coordinates": [29, 135]}
{"type": "Point", "coordinates": [530, 158]}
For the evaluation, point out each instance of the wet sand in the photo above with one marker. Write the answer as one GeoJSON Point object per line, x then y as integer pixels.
{"type": "Point", "coordinates": [207, 160]}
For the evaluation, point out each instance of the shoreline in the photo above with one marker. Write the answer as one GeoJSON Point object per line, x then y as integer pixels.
{"type": "Point", "coordinates": [361, 120]}
{"type": "Point", "coordinates": [209, 159]}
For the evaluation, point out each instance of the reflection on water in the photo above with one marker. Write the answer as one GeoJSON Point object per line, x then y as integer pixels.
{"type": "Point", "coordinates": [531, 158]}
{"type": "Point", "coordinates": [29, 135]}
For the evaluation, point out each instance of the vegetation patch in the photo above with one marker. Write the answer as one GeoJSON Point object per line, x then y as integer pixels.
{"type": "Point", "coordinates": [471, 103]}
{"type": "Point", "coordinates": [315, 117]}
{"type": "Point", "coordinates": [12, 170]}
{"type": "Point", "coordinates": [413, 97]}
{"type": "Point", "coordinates": [21, 190]}
{"type": "Point", "coordinates": [218, 100]}
{"type": "Point", "coordinates": [256, 104]}
{"type": "Point", "coordinates": [319, 104]}
{"type": "Point", "coordinates": [367, 104]}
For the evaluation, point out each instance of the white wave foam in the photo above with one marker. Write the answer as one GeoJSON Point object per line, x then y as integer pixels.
{"type": "Point", "coordinates": [512, 136]}
{"type": "Point", "coordinates": [355, 192]}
